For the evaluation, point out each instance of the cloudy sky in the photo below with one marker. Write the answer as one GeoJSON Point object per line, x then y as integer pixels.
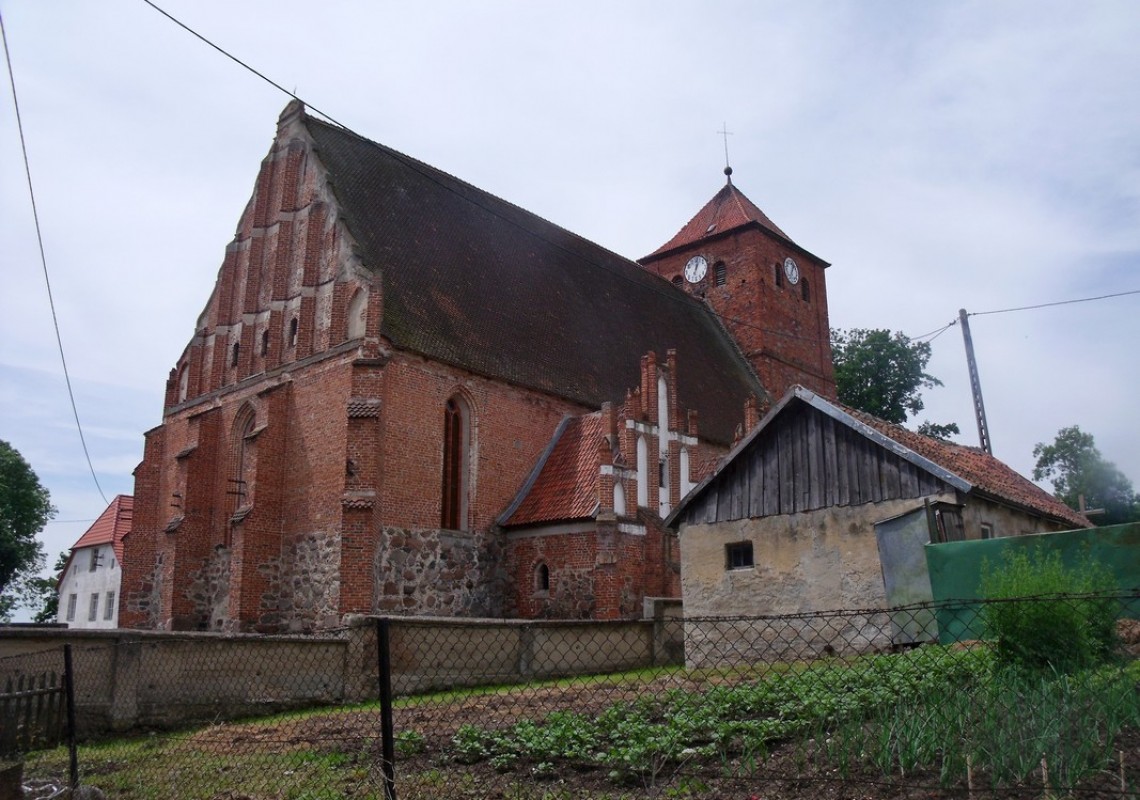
{"type": "Point", "coordinates": [979, 155]}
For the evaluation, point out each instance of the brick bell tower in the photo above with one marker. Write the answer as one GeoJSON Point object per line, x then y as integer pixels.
{"type": "Point", "coordinates": [770, 293]}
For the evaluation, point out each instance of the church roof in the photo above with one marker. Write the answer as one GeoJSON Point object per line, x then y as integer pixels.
{"type": "Point", "coordinates": [476, 282]}
{"type": "Point", "coordinates": [728, 210]}
{"type": "Point", "coordinates": [564, 484]}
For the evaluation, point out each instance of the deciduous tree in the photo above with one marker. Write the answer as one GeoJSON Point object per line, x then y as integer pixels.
{"type": "Point", "coordinates": [25, 507]}
{"type": "Point", "coordinates": [884, 373]}
{"type": "Point", "coordinates": [1076, 467]}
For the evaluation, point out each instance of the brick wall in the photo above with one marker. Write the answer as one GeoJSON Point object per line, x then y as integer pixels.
{"type": "Point", "coordinates": [784, 334]}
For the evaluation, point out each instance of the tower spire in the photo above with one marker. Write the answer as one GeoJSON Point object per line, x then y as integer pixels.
{"type": "Point", "coordinates": [725, 132]}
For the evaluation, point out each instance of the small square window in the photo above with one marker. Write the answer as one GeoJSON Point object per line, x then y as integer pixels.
{"type": "Point", "coordinates": [738, 555]}
{"type": "Point", "coordinates": [987, 530]}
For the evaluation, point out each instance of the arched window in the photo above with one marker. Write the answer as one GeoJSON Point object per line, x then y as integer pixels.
{"type": "Point", "coordinates": [619, 497]}
{"type": "Point", "coordinates": [678, 281]}
{"type": "Point", "coordinates": [264, 343]}
{"type": "Point", "coordinates": [456, 465]}
{"type": "Point", "coordinates": [542, 578]}
{"type": "Point", "coordinates": [293, 325]}
{"type": "Point", "coordinates": [779, 274]}
{"type": "Point", "coordinates": [804, 288]}
{"type": "Point", "coordinates": [662, 407]}
{"type": "Point", "coordinates": [183, 383]}
{"type": "Point", "coordinates": [245, 458]}
{"type": "Point", "coordinates": [234, 353]}
{"type": "Point", "coordinates": [720, 271]}
{"type": "Point", "coordinates": [357, 314]}
{"type": "Point", "coordinates": [642, 472]}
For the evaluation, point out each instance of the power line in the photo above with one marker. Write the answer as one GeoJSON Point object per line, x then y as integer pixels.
{"type": "Point", "coordinates": [43, 258]}
{"type": "Point", "coordinates": [1058, 303]}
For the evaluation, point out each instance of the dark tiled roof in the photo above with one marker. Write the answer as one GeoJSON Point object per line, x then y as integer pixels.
{"type": "Point", "coordinates": [729, 209]}
{"type": "Point", "coordinates": [978, 468]}
{"type": "Point", "coordinates": [566, 487]}
{"type": "Point", "coordinates": [474, 281]}
{"type": "Point", "coordinates": [113, 524]}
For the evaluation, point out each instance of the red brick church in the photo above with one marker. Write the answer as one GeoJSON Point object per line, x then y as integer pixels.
{"type": "Point", "coordinates": [406, 395]}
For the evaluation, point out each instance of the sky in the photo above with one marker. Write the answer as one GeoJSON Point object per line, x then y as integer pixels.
{"type": "Point", "coordinates": [941, 155]}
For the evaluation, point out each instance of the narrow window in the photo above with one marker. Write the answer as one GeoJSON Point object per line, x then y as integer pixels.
{"type": "Point", "coordinates": [71, 600]}
{"type": "Point", "coordinates": [619, 497]}
{"type": "Point", "coordinates": [721, 273]}
{"type": "Point", "coordinates": [293, 332]}
{"type": "Point", "coordinates": [109, 609]}
{"type": "Point", "coordinates": [542, 578]}
{"type": "Point", "coordinates": [738, 555]}
{"type": "Point", "coordinates": [686, 485]}
{"type": "Point", "coordinates": [804, 288]}
{"type": "Point", "coordinates": [264, 343]}
{"type": "Point", "coordinates": [779, 275]}
{"type": "Point", "coordinates": [183, 383]}
{"type": "Point", "coordinates": [456, 461]}
{"type": "Point", "coordinates": [236, 353]}
{"type": "Point", "coordinates": [93, 611]}
{"type": "Point", "coordinates": [94, 564]}
{"type": "Point", "coordinates": [244, 445]}
{"type": "Point", "coordinates": [642, 472]}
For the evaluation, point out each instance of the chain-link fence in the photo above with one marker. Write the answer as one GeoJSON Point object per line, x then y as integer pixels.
{"type": "Point", "coordinates": [1034, 698]}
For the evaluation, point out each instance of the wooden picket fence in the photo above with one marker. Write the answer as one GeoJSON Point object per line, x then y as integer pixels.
{"type": "Point", "coordinates": [33, 712]}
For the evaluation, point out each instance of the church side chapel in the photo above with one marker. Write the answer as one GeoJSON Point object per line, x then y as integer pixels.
{"type": "Point", "coordinates": [408, 396]}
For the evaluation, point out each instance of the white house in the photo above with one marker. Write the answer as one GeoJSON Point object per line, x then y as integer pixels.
{"type": "Point", "coordinates": [89, 583]}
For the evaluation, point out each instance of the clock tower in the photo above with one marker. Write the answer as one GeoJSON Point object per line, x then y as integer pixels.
{"type": "Point", "coordinates": [770, 293]}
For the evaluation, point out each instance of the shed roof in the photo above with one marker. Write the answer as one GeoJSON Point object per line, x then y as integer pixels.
{"type": "Point", "coordinates": [564, 485]}
{"type": "Point", "coordinates": [968, 469]}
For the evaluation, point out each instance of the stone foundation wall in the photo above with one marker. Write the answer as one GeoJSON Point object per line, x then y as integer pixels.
{"type": "Point", "coordinates": [310, 583]}
{"type": "Point", "coordinates": [208, 589]}
{"type": "Point", "coordinates": [146, 602]}
{"type": "Point", "coordinates": [437, 573]}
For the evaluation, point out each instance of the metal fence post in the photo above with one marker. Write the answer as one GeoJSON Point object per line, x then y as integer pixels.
{"type": "Point", "coordinates": [387, 737]}
{"type": "Point", "coordinates": [73, 751]}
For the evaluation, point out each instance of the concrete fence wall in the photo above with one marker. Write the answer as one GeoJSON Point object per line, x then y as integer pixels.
{"type": "Point", "coordinates": [129, 680]}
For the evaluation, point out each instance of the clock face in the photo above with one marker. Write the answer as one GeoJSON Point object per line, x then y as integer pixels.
{"type": "Point", "coordinates": [696, 268]}
{"type": "Point", "coordinates": [792, 271]}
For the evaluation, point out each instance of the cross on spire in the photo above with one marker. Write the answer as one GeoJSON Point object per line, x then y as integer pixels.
{"type": "Point", "coordinates": [725, 132]}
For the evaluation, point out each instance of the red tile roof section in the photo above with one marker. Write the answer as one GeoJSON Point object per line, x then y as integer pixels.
{"type": "Point", "coordinates": [978, 468]}
{"type": "Point", "coordinates": [113, 524]}
{"type": "Point", "coordinates": [728, 209]}
{"type": "Point", "coordinates": [567, 486]}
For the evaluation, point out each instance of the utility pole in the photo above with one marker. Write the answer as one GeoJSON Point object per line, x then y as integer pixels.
{"type": "Point", "coordinates": [975, 384]}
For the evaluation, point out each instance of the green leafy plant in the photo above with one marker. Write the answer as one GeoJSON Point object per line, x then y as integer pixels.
{"type": "Point", "coordinates": [1046, 615]}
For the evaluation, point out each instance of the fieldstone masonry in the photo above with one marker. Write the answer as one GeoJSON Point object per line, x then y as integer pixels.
{"type": "Point", "coordinates": [436, 572]}
{"type": "Point", "coordinates": [209, 590]}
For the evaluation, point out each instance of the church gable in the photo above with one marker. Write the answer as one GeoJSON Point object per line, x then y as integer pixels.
{"type": "Point", "coordinates": [290, 285]}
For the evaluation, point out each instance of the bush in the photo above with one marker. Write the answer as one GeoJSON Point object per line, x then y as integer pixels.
{"type": "Point", "coordinates": [1045, 615]}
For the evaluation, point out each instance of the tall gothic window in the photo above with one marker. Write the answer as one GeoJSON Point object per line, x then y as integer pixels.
{"type": "Point", "coordinates": [456, 465]}
{"type": "Point", "coordinates": [240, 485]}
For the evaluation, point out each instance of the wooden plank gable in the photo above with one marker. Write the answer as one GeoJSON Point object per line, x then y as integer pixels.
{"type": "Point", "coordinates": [806, 460]}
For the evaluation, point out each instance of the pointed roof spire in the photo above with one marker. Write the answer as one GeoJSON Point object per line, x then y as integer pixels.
{"type": "Point", "coordinates": [729, 209]}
